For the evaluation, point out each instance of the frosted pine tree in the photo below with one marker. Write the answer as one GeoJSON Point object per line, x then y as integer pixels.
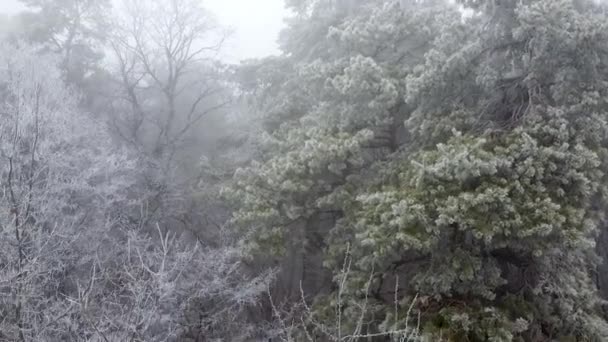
{"type": "Point", "coordinates": [489, 219]}
{"type": "Point", "coordinates": [330, 106]}
{"type": "Point", "coordinates": [482, 217]}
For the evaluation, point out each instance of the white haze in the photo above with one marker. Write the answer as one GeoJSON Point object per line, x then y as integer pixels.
{"type": "Point", "coordinates": [255, 25]}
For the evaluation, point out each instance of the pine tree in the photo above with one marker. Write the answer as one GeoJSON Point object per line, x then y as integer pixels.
{"type": "Point", "coordinates": [491, 214]}
{"type": "Point", "coordinates": [330, 106]}
{"type": "Point", "coordinates": [482, 214]}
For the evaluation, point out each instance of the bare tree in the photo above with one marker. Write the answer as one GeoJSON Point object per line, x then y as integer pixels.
{"type": "Point", "coordinates": [71, 266]}
{"type": "Point", "coordinates": [165, 52]}
{"type": "Point", "coordinates": [302, 323]}
{"type": "Point", "coordinates": [59, 180]}
{"type": "Point", "coordinates": [166, 48]}
{"type": "Point", "coordinates": [163, 288]}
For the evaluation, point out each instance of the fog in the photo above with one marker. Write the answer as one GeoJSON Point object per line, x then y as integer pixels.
{"type": "Point", "coordinates": [255, 25]}
{"type": "Point", "coordinates": [393, 170]}
{"type": "Point", "coordinates": [11, 6]}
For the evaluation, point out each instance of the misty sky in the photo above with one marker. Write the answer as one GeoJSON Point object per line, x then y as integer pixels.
{"type": "Point", "coordinates": [255, 24]}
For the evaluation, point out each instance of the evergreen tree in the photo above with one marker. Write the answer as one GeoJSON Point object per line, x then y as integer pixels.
{"type": "Point", "coordinates": [73, 29]}
{"type": "Point", "coordinates": [493, 211]}
{"type": "Point", "coordinates": [484, 214]}
{"type": "Point", "coordinates": [341, 79]}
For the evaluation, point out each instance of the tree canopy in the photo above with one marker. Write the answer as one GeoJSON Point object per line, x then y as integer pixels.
{"type": "Point", "coordinates": [404, 170]}
{"type": "Point", "coordinates": [461, 155]}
